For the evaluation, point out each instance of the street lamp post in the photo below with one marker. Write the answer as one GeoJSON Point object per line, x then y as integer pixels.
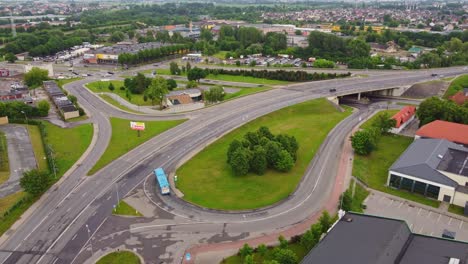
{"type": "Point", "coordinates": [25, 117]}
{"type": "Point", "coordinates": [89, 238]}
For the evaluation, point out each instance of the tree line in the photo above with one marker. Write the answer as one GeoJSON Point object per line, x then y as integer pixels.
{"type": "Point", "coordinates": [148, 55]}
{"type": "Point", "coordinates": [435, 108]}
{"type": "Point", "coordinates": [365, 141]}
{"type": "Point", "coordinates": [261, 150]}
{"type": "Point", "coordinates": [18, 110]}
{"type": "Point", "coordinates": [281, 75]}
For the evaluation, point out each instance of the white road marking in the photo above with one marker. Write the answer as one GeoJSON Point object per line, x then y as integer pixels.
{"type": "Point", "coordinates": [419, 211]}
{"type": "Point", "coordinates": [438, 219]}
{"type": "Point", "coordinates": [461, 223]}
{"type": "Point", "coordinates": [429, 215]}
{"type": "Point", "coordinates": [400, 205]}
{"type": "Point", "coordinates": [450, 220]}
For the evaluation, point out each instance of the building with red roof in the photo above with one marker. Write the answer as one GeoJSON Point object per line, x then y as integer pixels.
{"type": "Point", "coordinates": [454, 132]}
{"type": "Point", "coordinates": [403, 118]}
{"type": "Point", "coordinates": [461, 97]}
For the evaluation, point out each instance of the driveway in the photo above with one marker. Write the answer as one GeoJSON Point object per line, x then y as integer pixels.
{"type": "Point", "coordinates": [20, 156]}
{"type": "Point", "coordinates": [421, 219]}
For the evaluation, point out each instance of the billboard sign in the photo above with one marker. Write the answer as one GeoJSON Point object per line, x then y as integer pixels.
{"type": "Point", "coordinates": [137, 125]}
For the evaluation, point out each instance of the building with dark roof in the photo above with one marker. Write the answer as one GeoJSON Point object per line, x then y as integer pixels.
{"type": "Point", "coordinates": [66, 108]}
{"type": "Point", "coordinates": [435, 168]}
{"type": "Point", "coordinates": [365, 239]}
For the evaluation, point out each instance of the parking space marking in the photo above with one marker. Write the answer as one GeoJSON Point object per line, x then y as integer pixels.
{"type": "Point", "coordinates": [420, 230]}
{"type": "Point", "coordinates": [461, 223]}
{"type": "Point", "coordinates": [411, 227]}
{"type": "Point", "coordinates": [429, 215]}
{"type": "Point", "coordinates": [401, 203]}
{"type": "Point", "coordinates": [450, 220]}
{"type": "Point", "coordinates": [391, 202]}
{"type": "Point", "coordinates": [438, 218]}
{"type": "Point", "coordinates": [419, 211]}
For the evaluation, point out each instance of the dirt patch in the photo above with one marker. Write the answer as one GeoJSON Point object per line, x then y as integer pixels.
{"type": "Point", "coordinates": [427, 89]}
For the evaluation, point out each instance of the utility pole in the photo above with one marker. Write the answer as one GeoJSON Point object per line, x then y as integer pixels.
{"type": "Point", "coordinates": [89, 238]}
{"type": "Point", "coordinates": [13, 26]}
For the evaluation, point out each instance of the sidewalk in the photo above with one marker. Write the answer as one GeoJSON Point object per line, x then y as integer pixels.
{"type": "Point", "coordinates": [206, 253]}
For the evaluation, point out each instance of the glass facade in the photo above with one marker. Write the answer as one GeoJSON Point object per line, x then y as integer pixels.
{"type": "Point", "coordinates": [406, 184]}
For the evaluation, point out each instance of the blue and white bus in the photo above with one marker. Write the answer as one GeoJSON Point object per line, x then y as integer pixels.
{"type": "Point", "coordinates": [162, 181]}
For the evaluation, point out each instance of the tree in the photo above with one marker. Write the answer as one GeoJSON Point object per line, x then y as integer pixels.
{"type": "Point", "coordinates": [43, 108]}
{"type": "Point", "coordinates": [245, 251]}
{"type": "Point", "coordinates": [383, 122]}
{"type": "Point", "coordinates": [196, 74]}
{"type": "Point", "coordinates": [285, 162]}
{"type": "Point", "coordinates": [240, 162]}
{"type": "Point", "coordinates": [111, 86]}
{"type": "Point", "coordinates": [346, 201]}
{"type": "Point", "coordinates": [35, 182]}
{"type": "Point", "coordinates": [117, 36]}
{"type": "Point", "coordinates": [157, 91]}
{"type": "Point", "coordinates": [325, 221]}
{"type": "Point", "coordinates": [262, 249]}
{"type": "Point", "coordinates": [298, 32]}
{"type": "Point", "coordinates": [265, 132]}
{"type": "Point", "coordinates": [10, 57]}
{"type": "Point", "coordinates": [258, 163]}
{"type": "Point", "coordinates": [235, 144]}
{"type": "Point", "coordinates": [362, 142]}
{"type": "Point", "coordinates": [72, 99]}
{"type": "Point", "coordinates": [191, 84]}
{"type": "Point", "coordinates": [283, 243]}
{"type": "Point", "coordinates": [285, 256]}
{"type": "Point", "coordinates": [308, 240]}
{"type": "Point", "coordinates": [317, 231]}
{"type": "Point", "coordinates": [214, 94]}
{"type": "Point", "coordinates": [171, 84]}
{"type": "Point", "coordinates": [273, 150]}
{"type": "Point", "coordinates": [206, 34]}
{"type": "Point", "coordinates": [358, 48]}
{"type": "Point", "coordinates": [249, 259]}
{"type": "Point", "coordinates": [322, 63]}
{"type": "Point", "coordinates": [174, 68]}
{"type": "Point", "coordinates": [35, 77]}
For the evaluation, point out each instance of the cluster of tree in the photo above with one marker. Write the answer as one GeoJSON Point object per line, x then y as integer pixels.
{"type": "Point", "coordinates": [249, 40]}
{"type": "Point", "coordinates": [36, 182]}
{"type": "Point", "coordinates": [35, 77]}
{"type": "Point", "coordinates": [156, 91]}
{"type": "Point", "coordinates": [323, 63]}
{"type": "Point", "coordinates": [365, 141]}
{"type": "Point", "coordinates": [261, 150]}
{"type": "Point", "coordinates": [153, 89]}
{"type": "Point", "coordinates": [176, 70]}
{"type": "Point", "coordinates": [214, 94]}
{"type": "Point", "coordinates": [149, 55]}
{"type": "Point", "coordinates": [282, 75]}
{"type": "Point", "coordinates": [435, 108]}
{"type": "Point", "coordinates": [335, 48]}
{"type": "Point", "coordinates": [282, 254]}
{"type": "Point", "coordinates": [43, 42]}
{"type": "Point", "coordinates": [18, 110]}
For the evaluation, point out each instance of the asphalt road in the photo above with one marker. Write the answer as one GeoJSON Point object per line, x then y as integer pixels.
{"type": "Point", "coordinates": [57, 229]}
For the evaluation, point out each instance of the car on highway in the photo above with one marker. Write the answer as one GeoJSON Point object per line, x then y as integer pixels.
{"type": "Point", "coordinates": [332, 90]}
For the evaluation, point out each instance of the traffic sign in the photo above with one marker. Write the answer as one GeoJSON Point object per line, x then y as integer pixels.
{"type": "Point", "coordinates": [188, 257]}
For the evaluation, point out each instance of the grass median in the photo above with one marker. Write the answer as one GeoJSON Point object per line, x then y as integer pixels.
{"type": "Point", "coordinates": [457, 85]}
{"type": "Point", "coordinates": [113, 102]}
{"type": "Point", "coordinates": [4, 162]}
{"type": "Point", "coordinates": [103, 87]}
{"type": "Point", "coordinates": [373, 169]}
{"type": "Point", "coordinates": [207, 179]}
{"type": "Point", "coordinates": [124, 257]}
{"type": "Point", "coordinates": [124, 208]}
{"type": "Point", "coordinates": [124, 139]}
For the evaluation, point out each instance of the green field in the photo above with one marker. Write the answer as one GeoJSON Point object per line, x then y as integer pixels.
{"type": "Point", "coordinates": [373, 169]}
{"type": "Point", "coordinates": [207, 179]}
{"type": "Point", "coordinates": [111, 101]}
{"type": "Point", "coordinates": [102, 87]}
{"type": "Point", "coordinates": [4, 163]}
{"type": "Point", "coordinates": [457, 85]}
{"type": "Point", "coordinates": [38, 147]}
{"type": "Point", "coordinates": [68, 144]}
{"type": "Point", "coordinates": [9, 216]}
{"type": "Point", "coordinates": [244, 92]}
{"type": "Point", "coordinates": [124, 139]}
{"type": "Point", "coordinates": [297, 248]}
{"type": "Point", "coordinates": [369, 122]}
{"type": "Point", "coordinates": [360, 194]}
{"type": "Point", "coordinates": [455, 209]}
{"type": "Point", "coordinates": [124, 208]}
{"type": "Point", "coordinates": [121, 257]}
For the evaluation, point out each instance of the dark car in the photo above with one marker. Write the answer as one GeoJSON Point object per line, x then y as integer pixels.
{"type": "Point", "coordinates": [110, 72]}
{"type": "Point", "coordinates": [434, 75]}
{"type": "Point", "coordinates": [332, 90]}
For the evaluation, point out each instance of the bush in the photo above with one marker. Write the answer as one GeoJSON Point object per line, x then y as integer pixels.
{"type": "Point", "coordinates": [35, 182]}
{"type": "Point", "coordinates": [43, 107]}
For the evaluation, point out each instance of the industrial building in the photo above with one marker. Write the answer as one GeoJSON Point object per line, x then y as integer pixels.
{"type": "Point", "coordinates": [358, 239]}
{"type": "Point", "coordinates": [110, 55]}
{"type": "Point", "coordinates": [66, 108]}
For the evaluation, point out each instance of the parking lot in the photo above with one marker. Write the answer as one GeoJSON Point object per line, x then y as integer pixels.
{"type": "Point", "coordinates": [421, 220]}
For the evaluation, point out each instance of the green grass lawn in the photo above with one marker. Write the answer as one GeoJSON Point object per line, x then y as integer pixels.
{"type": "Point", "coordinates": [102, 87]}
{"type": "Point", "coordinates": [455, 209]}
{"type": "Point", "coordinates": [8, 219]}
{"type": "Point", "coordinates": [457, 85]}
{"type": "Point", "coordinates": [221, 55]}
{"type": "Point", "coordinates": [68, 144]}
{"type": "Point", "coordinates": [368, 123]}
{"type": "Point", "coordinates": [124, 139]}
{"type": "Point", "coordinates": [360, 194]}
{"type": "Point", "coordinates": [120, 257]}
{"type": "Point", "coordinates": [76, 119]}
{"type": "Point", "coordinates": [244, 92]}
{"type": "Point", "coordinates": [4, 163]}
{"type": "Point", "coordinates": [111, 101]}
{"type": "Point", "coordinates": [62, 82]}
{"type": "Point", "coordinates": [297, 248]}
{"type": "Point", "coordinates": [124, 208]}
{"type": "Point", "coordinates": [373, 169]}
{"type": "Point", "coordinates": [38, 147]}
{"type": "Point", "coordinates": [207, 179]}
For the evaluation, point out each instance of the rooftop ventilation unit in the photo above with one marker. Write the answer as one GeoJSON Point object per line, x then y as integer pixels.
{"type": "Point", "coordinates": [454, 261]}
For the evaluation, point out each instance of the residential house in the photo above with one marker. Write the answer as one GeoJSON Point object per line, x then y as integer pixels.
{"type": "Point", "coordinates": [454, 132]}
{"type": "Point", "coordinates": [403, 118]}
